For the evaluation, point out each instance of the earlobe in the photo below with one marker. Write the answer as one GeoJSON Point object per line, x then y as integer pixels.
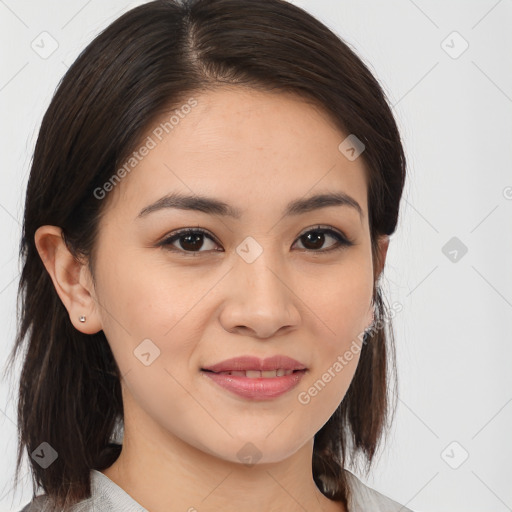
{"type": "Point", "coordinates": [67, 274]}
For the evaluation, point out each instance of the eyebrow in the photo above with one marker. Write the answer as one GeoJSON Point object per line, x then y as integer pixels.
{"type": "Point", "coordinates": [214, 206]}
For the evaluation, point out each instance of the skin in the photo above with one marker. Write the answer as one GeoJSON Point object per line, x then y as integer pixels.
{"type": "Point", "coordinates": [256, 151]}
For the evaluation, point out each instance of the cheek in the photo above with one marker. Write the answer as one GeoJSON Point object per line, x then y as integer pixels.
{"type": "Point", "coordinates": [154, 314]}
{"type": "Point", "coordinates": [341, 313]}
{"type": "Point", "coordinates": [146, 298]}
{"type": "Point", "coordinates": [342, 306]}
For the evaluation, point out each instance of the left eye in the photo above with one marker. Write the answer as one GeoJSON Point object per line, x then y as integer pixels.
{"type": "Point", "coordinates": [317, 236]}
{"type": "Point", "coordinates": [192, 240]}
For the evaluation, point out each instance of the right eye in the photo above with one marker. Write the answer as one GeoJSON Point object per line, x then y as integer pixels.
{"type": "Point", "coordinates": [190, 240]}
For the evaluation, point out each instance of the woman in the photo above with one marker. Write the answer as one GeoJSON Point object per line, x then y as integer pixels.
{"type": "Point", "coordinates": [207, 217]}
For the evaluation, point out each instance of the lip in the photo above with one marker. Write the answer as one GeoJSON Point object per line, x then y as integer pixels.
{"type": "Point", "coordinates": [264, 388]}
{"type": "Point", "coordinates": [254, 363]}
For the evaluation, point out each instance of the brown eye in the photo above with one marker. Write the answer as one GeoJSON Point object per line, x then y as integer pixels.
{"type": "Point", "coordinates": [313, 240]}
{"type": "Point", "coordinates": [188, 241]}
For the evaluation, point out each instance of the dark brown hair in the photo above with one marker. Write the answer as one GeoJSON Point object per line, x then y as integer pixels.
{"type": "Point", "coordinates": [145, 63]}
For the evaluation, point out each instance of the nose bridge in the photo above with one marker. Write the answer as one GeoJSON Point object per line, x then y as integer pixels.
{"type": "Point", "coordinates": [257, 269]}
{"type": "Point", "coordinates": [261, 301]}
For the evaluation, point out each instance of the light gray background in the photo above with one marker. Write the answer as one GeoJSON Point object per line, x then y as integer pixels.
{"type": "Point", "coordinates": [455, 331]}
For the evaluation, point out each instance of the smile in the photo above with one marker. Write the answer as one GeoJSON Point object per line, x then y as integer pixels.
{"type": "Point", "coordinates": [256, 385]}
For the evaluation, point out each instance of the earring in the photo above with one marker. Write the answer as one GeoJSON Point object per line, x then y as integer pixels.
{"type": "Point", "coordinates": [82, 318]}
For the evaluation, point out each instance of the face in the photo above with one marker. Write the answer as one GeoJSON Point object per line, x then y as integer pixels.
{"type": "Point", "coordinates": [264, 282]}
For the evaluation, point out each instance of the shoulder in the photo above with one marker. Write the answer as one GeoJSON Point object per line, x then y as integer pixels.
{"type": "Point", "coordinates": [105, 496]}
{"type": "Point", "coordinates": [363, 498]}
{"type": "Point", "coordinates": [38, 504]}
{"type": "Point", "coordinates": [42, 503]}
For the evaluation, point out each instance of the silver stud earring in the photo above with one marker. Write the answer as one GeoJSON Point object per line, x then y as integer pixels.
{"type": "Point", "coordinates": [82, 319]}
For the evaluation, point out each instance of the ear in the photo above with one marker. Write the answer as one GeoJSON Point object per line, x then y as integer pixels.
{"type": "Point", "coordinates": [382, 251]}
{"type": "Point", "coordinates": [71, 278]}
{"type": "Point", "coordinates": [380, 260]}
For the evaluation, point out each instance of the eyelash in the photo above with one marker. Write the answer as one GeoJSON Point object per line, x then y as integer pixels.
{"type": "Point", "coordinates": [342, 241]}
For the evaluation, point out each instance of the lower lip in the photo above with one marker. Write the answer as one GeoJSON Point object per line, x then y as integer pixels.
{"type": "Point", "coordinates": [259, 388]}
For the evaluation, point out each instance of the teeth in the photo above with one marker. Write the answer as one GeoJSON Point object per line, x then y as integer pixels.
{"type": "Point", "coordinates": [255, 374]}
{"type": "Point", "coordinates": [237, 374]}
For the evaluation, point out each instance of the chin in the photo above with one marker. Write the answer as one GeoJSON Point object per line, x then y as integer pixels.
{"type": "Point", "coordinates": [256, 449]}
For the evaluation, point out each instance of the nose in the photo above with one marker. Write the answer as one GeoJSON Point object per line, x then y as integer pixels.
{"type": "Point", "coordinates": [261, 300]}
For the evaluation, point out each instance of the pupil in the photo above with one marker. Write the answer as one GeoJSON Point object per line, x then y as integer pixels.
{"type": "Point", "coordinates": [195, 239]}
{"type": "Point", "coordinates": [319, 238]}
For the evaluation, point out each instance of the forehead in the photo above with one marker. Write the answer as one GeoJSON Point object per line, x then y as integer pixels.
{"type": "Point", "coordinates": [235, 142]}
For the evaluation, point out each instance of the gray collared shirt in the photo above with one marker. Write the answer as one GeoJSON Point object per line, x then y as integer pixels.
{"type": "Point", "coordinates": [107, 496]}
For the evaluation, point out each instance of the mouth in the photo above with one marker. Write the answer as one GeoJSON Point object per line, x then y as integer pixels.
{"type": "Point", "coordinates": [254, 367]}
{"type": "Point", "coordinates": [253, 378]}
{"type": "Point", "coordinates": [257, 374]}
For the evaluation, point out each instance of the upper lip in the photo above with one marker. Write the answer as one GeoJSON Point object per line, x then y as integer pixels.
{"type": "Point", "coordinates": [254, 363]}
